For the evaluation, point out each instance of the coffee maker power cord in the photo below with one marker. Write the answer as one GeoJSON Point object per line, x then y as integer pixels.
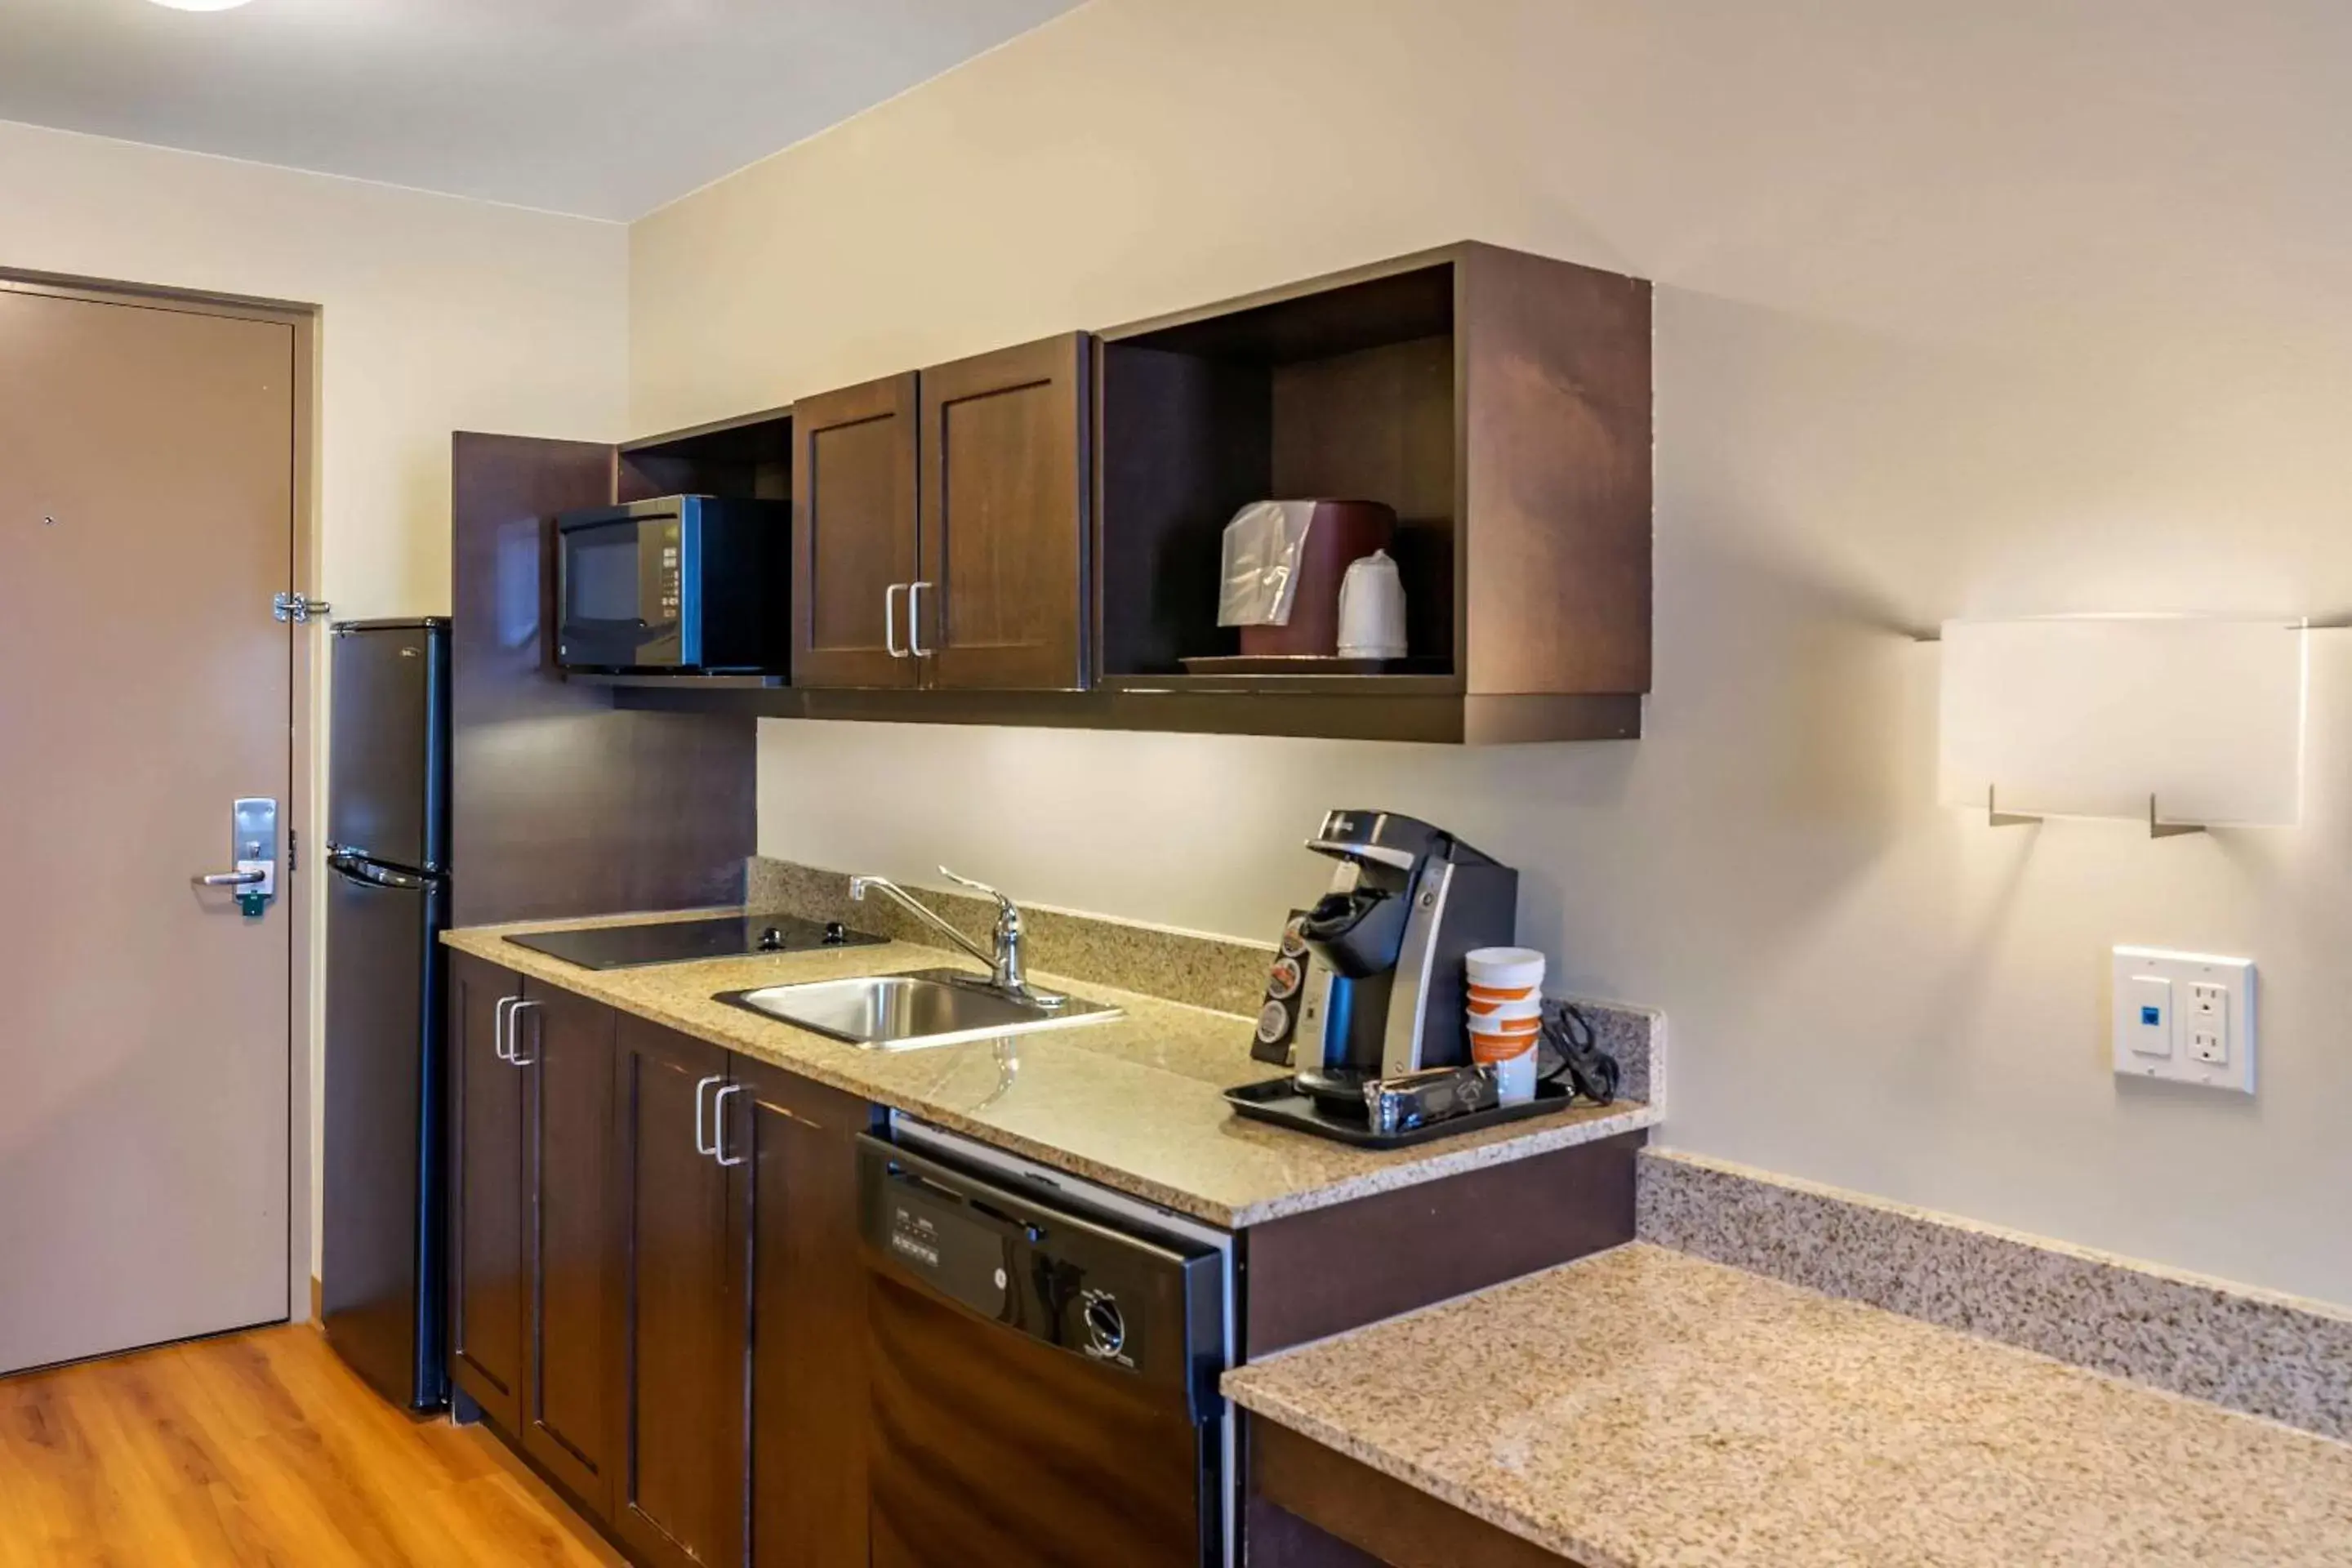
{"type": "Point", "coordinates": [1589, 1070]}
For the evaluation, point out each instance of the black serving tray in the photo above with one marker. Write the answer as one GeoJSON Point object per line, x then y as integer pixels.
{"type": "Point", "coordinates": [1278, 1101]}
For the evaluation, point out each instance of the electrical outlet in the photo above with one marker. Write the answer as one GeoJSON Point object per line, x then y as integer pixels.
{"type": "Point", "coordinates": [2207, 1038]}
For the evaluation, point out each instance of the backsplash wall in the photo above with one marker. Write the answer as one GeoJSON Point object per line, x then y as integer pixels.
{"type": "Point", "coordinates": [2001, 307]}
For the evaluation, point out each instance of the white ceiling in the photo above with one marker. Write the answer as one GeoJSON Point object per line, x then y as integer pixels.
{"type": "Point", "coordinates": [607, 107]}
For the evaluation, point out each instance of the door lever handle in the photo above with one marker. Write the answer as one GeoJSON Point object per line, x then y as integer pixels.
{"type": "Point", "coordinates": [252, 853]}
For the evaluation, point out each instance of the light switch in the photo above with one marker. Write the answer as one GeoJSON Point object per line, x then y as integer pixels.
{"type": "Point", "coordinates": [2188, 1016]}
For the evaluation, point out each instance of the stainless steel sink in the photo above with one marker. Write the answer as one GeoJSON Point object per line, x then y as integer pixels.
{"type": "Point", "coordinates": [905, 1011]}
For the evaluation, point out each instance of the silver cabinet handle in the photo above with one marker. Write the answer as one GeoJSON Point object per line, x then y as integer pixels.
{"type": "Point", "coordinates": [915, 620]}
{"type": "Point", "coordinates": [702, 1144]}
{"type": "Point", "coordinates": [229, 878]}
{"type": "Point", "coordinates": [718, 1128]}
{"type": "Point", "coordinates": [514, 1032]}
{"type": "Point", "coordinates": [890, 617]}
{"type": "Point", "coordinates": [501, 1018]}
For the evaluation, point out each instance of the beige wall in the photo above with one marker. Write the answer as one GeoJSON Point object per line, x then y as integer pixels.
{"type": "Point", "coordinates": [435, 314]}
{"type": "Point", "coordinates": [1992, 308]}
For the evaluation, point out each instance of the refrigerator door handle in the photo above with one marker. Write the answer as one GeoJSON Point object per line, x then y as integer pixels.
{"type": "Point", "coordinates": [357, 869]}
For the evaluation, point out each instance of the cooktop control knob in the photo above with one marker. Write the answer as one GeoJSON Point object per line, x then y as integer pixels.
{"type": "Point", "coordinates": [1106, 1324]}
{"type": "Point", "coordinates": [835, 933]}
{"type": "Point", "coordinates": [772, 941]}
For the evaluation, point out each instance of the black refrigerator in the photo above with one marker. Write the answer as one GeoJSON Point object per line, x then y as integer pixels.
{"type": "Point", "coordinates": [387, 867]}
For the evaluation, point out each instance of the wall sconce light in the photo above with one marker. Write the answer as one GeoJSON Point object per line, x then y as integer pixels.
{"type": "Point", "coordinates": [2189, 719]}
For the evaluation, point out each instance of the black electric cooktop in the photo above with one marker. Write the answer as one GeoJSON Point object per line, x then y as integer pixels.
{"type": "Point", "coordinates": [683, 941]}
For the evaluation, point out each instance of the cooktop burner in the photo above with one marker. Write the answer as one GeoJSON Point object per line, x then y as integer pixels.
{"type": "Point", "coordinates": [684, 942]}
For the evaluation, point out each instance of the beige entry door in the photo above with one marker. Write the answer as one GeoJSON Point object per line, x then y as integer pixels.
{"type": "Point", "coordinates": [146, 519]}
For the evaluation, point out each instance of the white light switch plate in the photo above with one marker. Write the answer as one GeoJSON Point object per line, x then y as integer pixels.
{"type": "Point", "coordinates": [2186, 1016]}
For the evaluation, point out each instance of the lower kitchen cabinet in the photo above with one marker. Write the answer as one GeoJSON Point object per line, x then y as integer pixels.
{"type": "Point", "coordinates": [678, 1370]}
{"type": "Point", "coordinates": [794, 1206]}
{"type": "Point", "coordinates": [657, 1287]}
{"type": "Point", "coordinates": [530, 1283]}
{"type": "Point", "coordinates": [739, 1377]}
{"type": "Point", "coordinates": [562, 1043]}
{"type": "Point", "coordinates": [487, 1192]}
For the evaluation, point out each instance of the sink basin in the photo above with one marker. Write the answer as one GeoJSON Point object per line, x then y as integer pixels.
{"type": "Point", "coordinates": [905, 1011]}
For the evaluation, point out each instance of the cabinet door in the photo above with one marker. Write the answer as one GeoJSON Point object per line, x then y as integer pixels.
{"type": "Point", "coordinates": [796, 1202]}
{"type": "Point", "coordinates": [1003, 596]}
{"type": "Point", "coordinates": [487, 1192]}
{"type": "Point", "coordinates": [680, 1366]}
{"type": "Point", "coordinates": [566, 1044]}
{"type": "Point", "coordinates": [853, 535]}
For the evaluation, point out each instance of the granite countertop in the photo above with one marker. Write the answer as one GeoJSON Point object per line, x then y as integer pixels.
{"type": "Point", "coordinates": [1135, 1104]}
{"type": "Point", "coordinates": [1646, 1409]}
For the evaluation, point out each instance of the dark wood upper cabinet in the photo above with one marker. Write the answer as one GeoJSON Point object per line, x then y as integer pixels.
{"type": "Point", "coordinates": [679, 1368]}
{"type": "Point", "coordinates": [795, 1205]}
{"type": "Point", "coordinates": [854, 534]}
{"type": "Point", "coordinates": [568, 831]}
{"type": "Point", "coordinates": [1002, 601]}
{"type": "Point", "coordinates": [563, 1044]}
{"type": "Point", "coordinates": [487, 1192]}
{"type": "Point", "coordinates": [1499, 402]}
{"type": "Point", "coordinates": [1073, 495]}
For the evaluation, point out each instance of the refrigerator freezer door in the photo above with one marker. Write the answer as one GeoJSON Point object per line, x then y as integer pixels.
{"type": "Point", "coordinates": [380, 1271]}
{"type": "Point", "coordinates": [388, 761]}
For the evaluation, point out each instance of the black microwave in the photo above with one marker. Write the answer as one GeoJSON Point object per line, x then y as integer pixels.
{"type": "Point", "coordinates": [691, 584]}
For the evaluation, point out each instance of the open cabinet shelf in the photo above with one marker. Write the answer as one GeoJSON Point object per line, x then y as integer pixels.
{"type": "Point", "coordinates": [1341, 392]}
{"type": "Point", "coordinates": [1499, 402]}
{"type": "Point", "coordinates": [745, 459]}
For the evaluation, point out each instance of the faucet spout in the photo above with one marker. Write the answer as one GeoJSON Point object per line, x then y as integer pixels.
{"type": "Point", "coordinates": [860, 886]}
{"type": "Point", "coordinates": [1005, 969]}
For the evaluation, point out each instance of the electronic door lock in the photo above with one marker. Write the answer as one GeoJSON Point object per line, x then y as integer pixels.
{"type": "Point", "coordinates": [253, 854]}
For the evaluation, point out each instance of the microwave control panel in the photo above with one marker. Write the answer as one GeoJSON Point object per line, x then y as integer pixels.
{"type": "Point", "coordinates": [667, 576]}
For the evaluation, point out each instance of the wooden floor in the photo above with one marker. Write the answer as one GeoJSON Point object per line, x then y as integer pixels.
{"type": "Point", "coordinates": [259, 1447]}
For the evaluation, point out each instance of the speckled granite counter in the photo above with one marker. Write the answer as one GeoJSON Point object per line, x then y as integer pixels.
{"type": "Point", "coordinates": [1135, 1104]}
{"type": "Point", "coordinates": [1644, 1409]}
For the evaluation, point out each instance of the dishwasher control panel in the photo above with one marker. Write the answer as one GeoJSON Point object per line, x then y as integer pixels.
{"type": "Point", "coordinates": [930, 1236]}
{"type": "Point", "coordinates": [1142, 1305]}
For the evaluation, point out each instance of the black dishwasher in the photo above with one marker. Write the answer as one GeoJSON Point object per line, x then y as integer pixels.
{"type": "Point", "coordinates": [1044, 1375]}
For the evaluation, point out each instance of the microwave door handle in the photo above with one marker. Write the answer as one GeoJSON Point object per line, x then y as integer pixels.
{"type": "Point", "coordinates": [890, 618]}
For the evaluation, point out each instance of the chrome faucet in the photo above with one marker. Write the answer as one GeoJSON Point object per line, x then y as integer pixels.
{"type": "Point", "coordinates": [1005, 972]}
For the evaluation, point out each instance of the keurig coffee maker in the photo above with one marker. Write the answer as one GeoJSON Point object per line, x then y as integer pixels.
{"type": "Point", "coordinates": [1377, 962]}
